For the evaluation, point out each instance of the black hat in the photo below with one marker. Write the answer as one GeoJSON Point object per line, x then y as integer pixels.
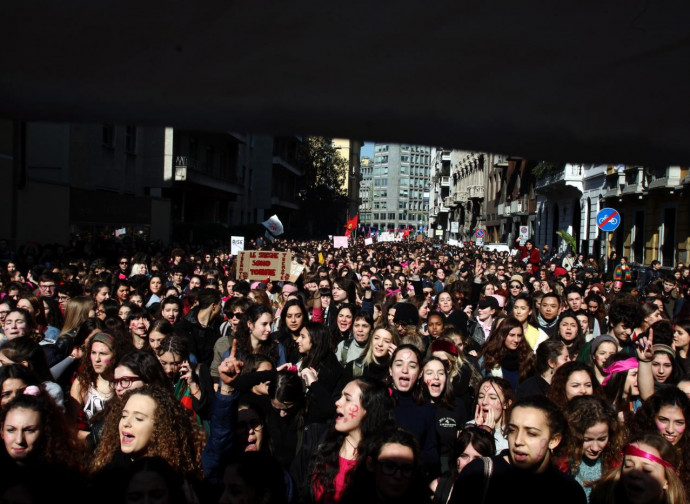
{"type": "Point", "coordinates": [406, 313]}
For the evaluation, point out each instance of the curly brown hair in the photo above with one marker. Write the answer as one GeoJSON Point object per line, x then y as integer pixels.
{"type": "Point", "coordinates": [557, 392]}
{"type": "Point", "coordinates": [59, 443]}
{"type": "Point", "coordinates": [582, 413]}
{"type": "Point", "coordinates": [495, 350]}
{"type": "Point", "coordinates": [175, 437]}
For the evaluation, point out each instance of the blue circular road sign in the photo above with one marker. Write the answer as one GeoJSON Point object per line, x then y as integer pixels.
{"type": "Point", "coordinates": [608, 219]}
{"type": "Point", "coordinates": [479, 233]}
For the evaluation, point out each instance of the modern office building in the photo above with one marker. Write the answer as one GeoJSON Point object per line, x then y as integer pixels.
{"type": "Point", "coordinates": [393, 187]}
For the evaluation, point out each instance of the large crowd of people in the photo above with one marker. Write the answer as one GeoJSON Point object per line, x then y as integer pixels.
{"type": "Point", "coordinates": [388, 373]}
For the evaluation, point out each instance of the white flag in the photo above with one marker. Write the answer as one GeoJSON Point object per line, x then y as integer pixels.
{"type": "Point", "coordinates": [274, 225]}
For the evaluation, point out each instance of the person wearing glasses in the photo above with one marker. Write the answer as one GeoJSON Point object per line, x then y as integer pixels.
{"type": "Point", "coordinates": [233, 310]}
{"type": "Point", "coordinates": [121, 272]}
{"type": "Point", "coordinates": [391, 471]}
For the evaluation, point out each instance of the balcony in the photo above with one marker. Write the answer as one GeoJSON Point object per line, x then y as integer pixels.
{"type": "Point", "coordinates": [443, 209]}
{"type": "Point", "coordinates": [445, 181]}
{"type": "Point", "coordinates": [500, 161]}
{"type": "Point", "coordinates": [280, 161]}
{"type": "Point", "coordinates": [669, 178]}
{"type": "Point", "coordinates": [448, 201]}
{"type": "Point", "coordinates": [476, 192]}
{"type": "Point", "coordinates": [519, 207]}
{"type": "Point", "coordinates": [571, 175]}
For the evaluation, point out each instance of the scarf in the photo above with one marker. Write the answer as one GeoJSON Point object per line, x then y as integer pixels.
{"type": "Point", "coordinates": [544, 324]}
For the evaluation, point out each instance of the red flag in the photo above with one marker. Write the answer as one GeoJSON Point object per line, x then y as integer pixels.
{"type": "Point", "coordinates": [406, 233]}
{"type": "Point", "coordinates": [351, 224]}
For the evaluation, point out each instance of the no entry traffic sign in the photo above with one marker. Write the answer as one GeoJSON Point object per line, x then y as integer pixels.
{"type": "Point", "coordinates": [608, 219]}
{"type": "Point", "coordinates": [479, 233]}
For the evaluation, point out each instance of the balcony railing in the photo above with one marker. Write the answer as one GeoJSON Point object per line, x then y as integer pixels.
{"type": "Point", "coordinates": [476, 192]}
{"type": "Point", "coordinates": [445, 181]}
{"type": "Point", "coordinates": [571, 174]}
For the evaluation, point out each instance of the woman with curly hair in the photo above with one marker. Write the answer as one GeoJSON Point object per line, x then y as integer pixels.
{"type": "Point", "coordinates": [667, 413]}
{"type": "Point", "coordinates": [152, 423]}
{"type": "Point", "coordinates": [36, 432]}
{"type": "Point", "coordinates": [595, 442]}
{"type": "Point", "coordinates": [93, 384]}
{"type": "Point", "coordinates": [573, 379]}
{"type": "Point", "coordinates": [507, 354]}
{"type": "Point", "coordinates": [363, 409]}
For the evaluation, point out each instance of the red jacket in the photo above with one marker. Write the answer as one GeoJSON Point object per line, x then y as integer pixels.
{"type": "Point", "coordinates": [533, 258]}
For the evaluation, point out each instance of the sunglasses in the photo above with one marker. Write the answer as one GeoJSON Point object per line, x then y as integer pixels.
{"type": "Point", "coordinates": [236, 315]}
{"type": "Point", "coordinates": [516, 286]}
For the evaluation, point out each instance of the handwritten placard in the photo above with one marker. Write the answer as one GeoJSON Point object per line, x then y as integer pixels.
{"type": "Point", "coordinates": [259, 265]}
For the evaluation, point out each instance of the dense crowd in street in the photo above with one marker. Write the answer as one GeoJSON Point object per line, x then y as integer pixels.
{"type": "Point", "coordinates": [397, 372]}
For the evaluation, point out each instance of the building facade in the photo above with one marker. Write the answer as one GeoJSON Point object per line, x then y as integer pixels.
{"type": "Point", "coordinates": [397, 181]}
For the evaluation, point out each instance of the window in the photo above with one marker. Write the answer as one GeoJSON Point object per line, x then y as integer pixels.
{"type": "Point", "coordinates": [391, 216]}
{"type": "Point", "coordinates": [668, 238]}
{"type": "Point", "coordinates": [109, 135]}
{"type": "Point", "coordinates": [404, 158]}
{"type": "Point", "coordinates": [131, 139]}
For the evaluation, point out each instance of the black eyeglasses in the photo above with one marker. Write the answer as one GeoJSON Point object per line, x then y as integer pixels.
{"type": "Point", "coordinates": [125, 382]}
{"type": "Point", "coordinates": [236, 315]}
{"type": "Point", "coordinates": [428, 293]}
{"type": "Point", "coordinates": [124, 262]}
{"type": "Point", "coordinates": [516, 286]}
{"type": "Point", "coordinates": [390, 468]}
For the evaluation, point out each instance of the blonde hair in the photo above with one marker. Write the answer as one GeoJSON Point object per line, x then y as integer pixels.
{"type": "Point", "coordinates": [76, 312]}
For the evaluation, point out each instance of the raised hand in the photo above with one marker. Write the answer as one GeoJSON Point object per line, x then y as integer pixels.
{"type": "Point", "coordinates": [230, 368]}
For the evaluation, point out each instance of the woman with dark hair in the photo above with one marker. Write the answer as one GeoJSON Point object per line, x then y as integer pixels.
{"type": "Point", "coordinates": [18, 323]}
{"type": "Point", "coordinates": [681, 340]}
{"type": "Point", "coordinates": [364, 408]}
{"type": "Point", "coordinates": [156, 288]}
{"type": "Point", "coordinates": [28, 353]}
{"type": "Point", "coordinates": [157, 332]}
{"type": "Point", "coordinates": [411, 412]}
{"type": "Point", "coordinates": [38, 439]}
{"type": "Point", "coordinates": [171, 309]}
{"type": "Point", "coordinates": [343, 291]}
{"type": "Point", "coordinates": [594, 445]}
{"type": "Point", "coordinates": [138, 323]}
{"type": "Point", "coordinates": [120, 290]}
{"type": "Point", "coordinates": [507, 353]}
{"type": "Point", "coordinates": [293, 316]}
{"type": "Point", "coordinates": [14, 378]}
{"type": "Point", "coordinates": [667, 413]}
{"type": "Point", "coordinates": [254, 335]}
{"type": "Point", "coordinates": [569, 331]}
{"type": "Point", "coordinates": [318, 365]}
{"type": "Point", "coordinates": [535, 427]}
{"type": "Point", "coordinates": [391, 472]}
{"type": "Point", "coordinates": [472, 443]}
{"type": "Point", "coordinates": [451, 411]}
{"type": "Point", "coordinates": [341, 329]}
{"type": "Point", "coordinates": [551, 355]}
{"type": "Point", "coordinates": [352, 348]}
{"type": "Point", "coordinates": [573, 379]}
{"type": "Point", "coordinates": [191, 384]}
{"type": "Point", "coordinates": [620, 384]}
